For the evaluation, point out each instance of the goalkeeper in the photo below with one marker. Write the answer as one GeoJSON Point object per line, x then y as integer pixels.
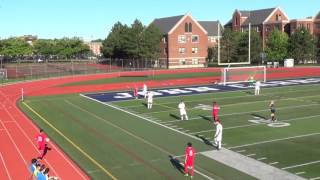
{"type": "Point", "coordinates": [251, 81]}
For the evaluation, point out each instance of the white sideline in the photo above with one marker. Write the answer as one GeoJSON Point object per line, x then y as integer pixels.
{"type": "Point", "coordinates": [274, 140]}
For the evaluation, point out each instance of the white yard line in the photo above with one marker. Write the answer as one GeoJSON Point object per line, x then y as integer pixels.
{"type": "Point", "coordinates": [253, 124]}
{"type": "Point", "coordinates": [315, 178]}
{"type": "Point", "coordinates": [273, 163]}
{"type": "Point", "coordinates": [249, 155]}
{"type": "Point", "coordinates": [5, 167]}
{"type": "Point", "coordinates": [240, 151]}
{"type": "Point", "coordinates": [302, 172]}
{"type": "Point", "coordinates": [299, 165]}
{"type": "Point", "coordinates": [263, 158]}
{"type": "Point", "coordinates": [273, 140]}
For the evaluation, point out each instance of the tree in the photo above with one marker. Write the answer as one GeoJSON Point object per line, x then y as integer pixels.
{"type": "Point", "coordinates": [151, 38]}
{"type": "Point", "coordinates": [14, 47]}
{"type": "Point", "coordinates": [212, 54]}
{"type": "Point", "coordinates": [277, 46]}
{"type": "Point", "coordinates": [44, 47]}
{"type": "Point", "coordinates": [229, 46]}
{"type": "Point", "coordinates": [301, 45]}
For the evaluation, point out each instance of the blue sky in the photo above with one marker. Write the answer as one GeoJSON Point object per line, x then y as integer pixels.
{"type": "Point", "coordinates": [92, 19]}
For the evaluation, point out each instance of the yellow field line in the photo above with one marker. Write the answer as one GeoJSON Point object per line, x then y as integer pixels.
{"type": "Point", "coordinates": [71, 142]}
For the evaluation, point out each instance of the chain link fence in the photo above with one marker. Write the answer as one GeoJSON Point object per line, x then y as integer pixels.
{"type": "Point", "coordinates": [35, 70]}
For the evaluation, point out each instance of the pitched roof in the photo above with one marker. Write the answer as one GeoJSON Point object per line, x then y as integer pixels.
{"type": "Point", "coordinates": [257, 16]}
{"type": "Point", "coordinates": [211, 27]}
{"type": "Point", "coordinates": [167, 23]}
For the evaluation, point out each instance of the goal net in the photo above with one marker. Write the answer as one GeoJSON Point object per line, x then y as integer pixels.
{"type": "Point", "coordinates": [3, 73]}
{"type": "Point", "coordinates": [243, 74]}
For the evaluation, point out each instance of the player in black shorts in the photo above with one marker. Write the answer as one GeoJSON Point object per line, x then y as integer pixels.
{"type": "Point", "coordinates": [273, 111]}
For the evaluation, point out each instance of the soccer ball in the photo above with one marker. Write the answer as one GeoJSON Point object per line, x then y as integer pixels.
{"type": "Point", "coordinates": [47, 139]}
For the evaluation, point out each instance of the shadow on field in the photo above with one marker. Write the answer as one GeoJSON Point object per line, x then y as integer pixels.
{"type": "Point", "coordinates": [174, 116]}
{"type": "Point", "coordinates": [258, 115]}
{"type": "Point", "coordinates": [145, 104]}
{"type": "Point", "coordinates": [249, 92]}
{"type": "Point", "coordinates": [205, 118]}
{"type": "Point", "coordinates": [206, 141]}
{"type": "Point", "coordinates": [176, 164]}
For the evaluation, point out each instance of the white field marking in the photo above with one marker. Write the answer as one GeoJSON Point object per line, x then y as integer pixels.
{"type": "Point", "coordinates": [315, 178]}
{"type": "Point", "coordinates": [253, 124]}
{"type": "Point", "coordinates": [301, 172]}
{"type": "Point", "coordinates": [94, 171]}
{"type": "Point", "coordinates": [174, 126]}
{"type": "Point", "coordinates": [263, 158]}
{"type": "Point", "coordinates": [5, 167]}
{"type": "Point", "coordinates": [274, 140]}
{"type": "Point", "coordinates": [240, 151]}
{"type": "Point", "coordinates": [157, 147]}
{"type": "Point", "coordinates": [221, 98]}
{"type": "Point", "coordinates": [28, 138]}
{"type": "Point", "coordinates": [53, 145]}
{"type": "Point", "coordinates": [272, 163]}
{"type": "Point", "coordinates": [299, 165]}
{"type": "Point", "coordinates": [203, 175]}
{"type": "Point", "coordinates": [249, 155]}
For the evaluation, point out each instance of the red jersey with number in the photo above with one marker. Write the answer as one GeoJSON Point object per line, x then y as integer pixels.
{"type": "Point", "coordinates": [41, 140]}
{"type": "Point", "coordinates": [190, 154]}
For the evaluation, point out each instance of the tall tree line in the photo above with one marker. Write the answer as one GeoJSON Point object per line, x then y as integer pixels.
{"type": "Point", "coordinates": [65, 48]}
{"type": "Point", "coordinates": [133, 42]}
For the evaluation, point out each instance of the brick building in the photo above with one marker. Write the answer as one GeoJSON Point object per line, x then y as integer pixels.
{"type": "Point", "coordinates": [263, 21]}
{"type": "Point", "coordinates": [212, 28]}
{"type": "Point", "coordinates": [316, 25]}
{"type": "Point", "coordinates": [299, 23]}
{"type": "Point", "coordinates": [95, 47]}
{"type": "Point", "coordinates": [184, 43]}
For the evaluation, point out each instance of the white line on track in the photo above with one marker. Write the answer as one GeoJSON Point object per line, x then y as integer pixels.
{"type": "Point", "coordinates": [274, 140]}
{"type": "Point", "coordinates": [5, 167]}
{"type": "Point", "coordinates": [299, 165]}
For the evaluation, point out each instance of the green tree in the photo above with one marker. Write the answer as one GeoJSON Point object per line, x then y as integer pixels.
{"type": "Point", "coordinates": [14, 47]}
{"type": "Point", "coordinates": [229, 43]}
{"type": "Point", "coordinates": [277, 46]}
{"type": "Point", "coordinates": [44, 47]}
{"type": "Point", "coordinates": [150, 47]}
{"type": "Point", "coordinates": [301, 45]}
{"type": "Point", "coordinates": [255, 47]}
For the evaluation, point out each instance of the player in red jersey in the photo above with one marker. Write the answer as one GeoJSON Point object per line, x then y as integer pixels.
{"type": "Point", "coordinates": [42, 146]}
{"type": "Point", "coordinates": [215, 111]}
{"type": "Point", "coordinates": [135, 92]}
{"type": "Point", "coordinates": [189, 161]}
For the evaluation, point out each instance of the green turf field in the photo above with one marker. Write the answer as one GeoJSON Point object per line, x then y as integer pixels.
{"type": "Point", "coordinates": [136, 143]}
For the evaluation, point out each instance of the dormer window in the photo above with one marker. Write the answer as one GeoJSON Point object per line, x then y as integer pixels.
{"type": "Point", "coordinates": [278, 17]}
{"type": "Point", "coordinates": [186, 27]}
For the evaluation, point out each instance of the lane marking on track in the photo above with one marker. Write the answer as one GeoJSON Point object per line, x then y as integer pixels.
{"type": "Point", "coordinates": [72, 143]}
{"type": "Point", "coordinates": [5, 167]}
{"type": "Point", "coordinates": [141, 117]}
{"type": "Point", "coordinates": [274, 140]}
{"type": "Point", "coordinates": [299, 165]}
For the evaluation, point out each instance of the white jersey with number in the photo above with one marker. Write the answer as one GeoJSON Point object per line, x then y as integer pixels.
{"type": "Point", "coordinates": [218, 134]}
{"type": "Point", "coordinates": [144, 89]}
{"type": "Point", "coordinates": [182, 108]}
{"type": "Point", "coordinates": [150, 97]}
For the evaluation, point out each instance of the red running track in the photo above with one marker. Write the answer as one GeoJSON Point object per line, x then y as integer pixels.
{"type": "Point", "coordinates": [17, 143]}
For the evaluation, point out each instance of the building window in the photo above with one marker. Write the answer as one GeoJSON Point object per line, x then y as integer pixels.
{"type": "Point", "coordinates": [258, 29]}
{"type": "Point", "coordinates": [182, 50]}
{"type": "Point", "coordinates": [278, 17]}
{"type": "Point", "coordinates": [212, 39]}
{"type": "Point", "coordinates": [194, 50]}
{"type": "Point", "coordinates": [308, 26]}
{"type": "Point", "coordinates": [181, 39]}
{"type": "Point", "coordinates": [165, 51]}
{"type": "Point", "coordinates": [195, 38]}
{"type": "Point", "coordinates": [190, 27]}
{"type": "Point", "coordinates": [195, 61]}
{"type": "Point", "coordinates": [236, 21]}
{"type": "Point", "coordinates": [300, 25]}
{"type": "Point", "coordinates": [267, 28]}
{"type": "Point", "coordinates": [186, 27]}
{"type": "Point", "coordinates": [182, 62]}
{"type": "Point", "coordinates": [164, 40]}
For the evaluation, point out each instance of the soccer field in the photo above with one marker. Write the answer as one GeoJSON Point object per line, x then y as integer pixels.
{"type": "Point", "coordinates": [125, 140]}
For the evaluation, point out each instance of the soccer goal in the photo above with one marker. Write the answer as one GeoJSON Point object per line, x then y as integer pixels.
{"type": "Point", "coordinates": [3, 73]}
{"type": "Point", "coordinates": [231, 75]}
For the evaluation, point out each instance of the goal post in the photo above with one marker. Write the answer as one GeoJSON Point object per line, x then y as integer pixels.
{"type": "Point", "coordinates": [231, 75]}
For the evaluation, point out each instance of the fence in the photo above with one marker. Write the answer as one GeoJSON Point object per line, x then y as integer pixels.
{"type": "Point", "coordinates": [34, 70]}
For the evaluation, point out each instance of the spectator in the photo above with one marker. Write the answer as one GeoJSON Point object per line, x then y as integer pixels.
{"type": "Point", "coordinates": [46, 174]}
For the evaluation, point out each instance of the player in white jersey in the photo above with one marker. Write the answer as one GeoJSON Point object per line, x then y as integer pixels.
{"type": "Point", "coordinates": [144, 90]}
{"type": "Point", "coordinates": [150, 99]}
{"type": "Point", "coordinates": [218, 134]}
{"type": "Point", "coordinates": [257, 88]}
{"type": "Point", "coordinates": [182, 108]}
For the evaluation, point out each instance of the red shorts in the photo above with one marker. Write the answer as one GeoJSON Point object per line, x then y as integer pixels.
{"type": "Point", "coordinates": [189, 164]}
